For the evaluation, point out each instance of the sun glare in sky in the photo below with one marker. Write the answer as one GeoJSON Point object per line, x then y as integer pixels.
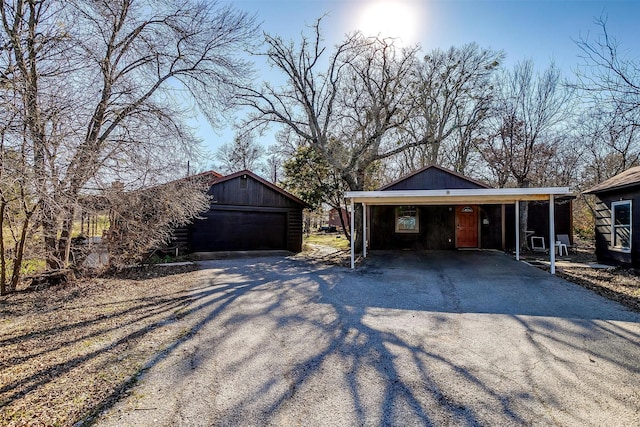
{"type": "Point", "coordinates": [398, 19]}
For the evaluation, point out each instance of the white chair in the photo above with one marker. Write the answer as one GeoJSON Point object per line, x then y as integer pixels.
{"type": "Point", "coordinates": [537, 244]}
{"type": "Point", "coordinates": [559, 247]}
{"type": "Point", "coordinates": [564, 239]}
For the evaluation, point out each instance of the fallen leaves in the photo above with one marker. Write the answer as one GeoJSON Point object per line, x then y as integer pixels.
{"type": "Point", "coordinates": [617, 284]}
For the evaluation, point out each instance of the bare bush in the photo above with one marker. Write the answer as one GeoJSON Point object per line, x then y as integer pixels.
{"type": "Point", "coordinates": [144, 219]}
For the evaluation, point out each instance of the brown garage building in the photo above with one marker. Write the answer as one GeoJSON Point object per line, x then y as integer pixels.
{"type": "Point", "coordinates": [248, 213]}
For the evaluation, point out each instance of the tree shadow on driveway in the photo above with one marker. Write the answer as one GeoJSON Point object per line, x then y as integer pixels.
{"type": "Point", "coordinates": [402, 341]}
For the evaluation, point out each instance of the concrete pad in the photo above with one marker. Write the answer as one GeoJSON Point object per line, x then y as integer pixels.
{"type": "Point", "coordinates": [571, 264]}
{"type": "Point", "coordinates": [432, 338]}
{"type": "Point", "coordinates": [174, 264]}
{"type": "Point", "coordinates": [204, 256]}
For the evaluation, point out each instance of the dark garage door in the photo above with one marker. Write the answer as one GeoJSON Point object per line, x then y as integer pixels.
{"type": "Point", "coordinates": [239, 231]}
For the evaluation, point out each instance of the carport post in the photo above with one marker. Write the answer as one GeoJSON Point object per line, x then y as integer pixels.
{"type": "Point", "coordinates": [364, 230]}
{"type": "Point", "coordinates": [351, 233]}
{"type": "Point", "coordinates": [552, 234]}
{"type": "Point", "coordinates": [517, 207]}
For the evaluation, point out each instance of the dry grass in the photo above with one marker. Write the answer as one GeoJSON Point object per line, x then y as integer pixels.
{"type": "Point", "coordinates": [67, 351]}
{"type": "Point", "coordinates": [334, 240]}
{"type": "Point", "coordinates": [618, 284]}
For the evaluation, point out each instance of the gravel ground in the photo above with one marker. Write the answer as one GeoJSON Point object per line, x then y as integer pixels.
{"type": "Point", "coordinates": [397, 342]}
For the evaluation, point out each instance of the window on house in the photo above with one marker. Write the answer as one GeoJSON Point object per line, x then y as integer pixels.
{"type": "Point", "coordinates": [621, 225]}
{"type": "Point", "coordinates": [407, 219]}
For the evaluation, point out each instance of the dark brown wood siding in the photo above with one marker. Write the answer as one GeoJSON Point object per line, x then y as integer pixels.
{"type": "Point", "coordinates": [490, 226]}
{"type": "Point", "coordinates": [437, 226]}
{"type": "Point", "coordinates": [180, 239]}
{"type": "Point", "coordinates": [604, 250]}
{"type": "Point", "coordinates": [433, 179]}
{"type": "Point", "coordinates": [239, 230]}
{"type": "Point", "coordinates": [538, 221]}
{"type": "Point", "coordinates": [436, 231]}
{"type": "Point", "coordinates": [509, 227]}
{"type": "Point", "coordinates": [294, 230]}
{"type": "Point", "coordinates": [437, 223]}
{"type": "Point", "coordinates": [248, 192]}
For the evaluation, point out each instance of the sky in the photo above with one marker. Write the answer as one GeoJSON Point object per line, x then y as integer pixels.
{"type": "Point", "coordinates": [541, 30]}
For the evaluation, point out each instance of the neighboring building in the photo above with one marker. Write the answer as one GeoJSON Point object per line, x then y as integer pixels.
{"type": "Point", "coordinates": [617, 210]}
{"type": "Point", "coordinates": [435, 208]}
{"type": "Point", "coordinates": [246, 213]}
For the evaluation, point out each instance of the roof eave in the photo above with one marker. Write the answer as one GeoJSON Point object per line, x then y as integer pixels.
{"type": "Point", "coordinates": [596, 190]}
{"type": "Point", "coordinates": [482, 195]}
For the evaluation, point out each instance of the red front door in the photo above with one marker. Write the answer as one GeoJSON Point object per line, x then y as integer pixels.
{"type": "Point", "coordinates": [466, 226]}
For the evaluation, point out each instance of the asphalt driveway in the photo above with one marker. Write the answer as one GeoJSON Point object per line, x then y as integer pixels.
{"type": "Point", "coordinates": [434, 338]}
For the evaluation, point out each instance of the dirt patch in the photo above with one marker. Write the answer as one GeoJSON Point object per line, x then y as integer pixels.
{"type": "Point", "coordinates": [325, 254]}
{"type": "Point", "coordinates": [67, 350]}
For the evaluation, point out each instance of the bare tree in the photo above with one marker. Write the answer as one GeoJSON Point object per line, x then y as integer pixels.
{"type": "Point", "coordinates": [530, 109]}
{"type": "Point", "coordinates": [100, 84]}
{"type": "Point", "coordinates": [25, 42]}
{"type": "Point", "coordinates": [567, 164]}
{"type": "Point", "coordinates": [244, 153]}
{"type": "Point", "coordinates": [454, 91]}
{"type": "Point", "coordinates": [273, 166]}
{"type": "Point", "coordinates": [611, 145]}
{"type": "Point", "coordinates": [609, 78]}
{"type": "Point", "coordinates": [347, 111]}
{"type": "Point", "coordinates": [18, 207]}
{"type": "Point", "coordinates": [610, 84]}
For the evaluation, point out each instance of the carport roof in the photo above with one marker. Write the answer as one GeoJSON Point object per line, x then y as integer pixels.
{"type": "Point", "coordinates": [458, 195]}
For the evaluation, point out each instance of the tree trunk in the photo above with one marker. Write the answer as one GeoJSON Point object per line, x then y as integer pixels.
{"type": "Point", "coordinates": [524, 218]}
{"type": "Point", "coordinates": [64, 243]}
{"type": "Point", "coordinates": [50, 232]}
{"type": "Point", "coordinates": [359, 236]}
{"type": "Point", "coordinates": [345, 227]}
{"type": "Point", "coordinates": [307, 224]}
{"type": "Point", "coordinates": [356, 184]}
{"type": "Point", "coordinates": [3, 258]}
{"type": "Point", "coordinates": [17, 263]}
